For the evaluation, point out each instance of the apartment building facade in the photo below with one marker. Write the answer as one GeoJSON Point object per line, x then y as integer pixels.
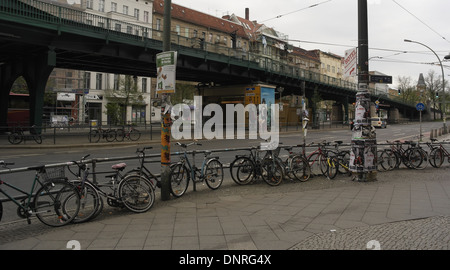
{"type": "Point", "coordinates": [95, 90]}
{"type": "Point", "coordinates": [195, 29]}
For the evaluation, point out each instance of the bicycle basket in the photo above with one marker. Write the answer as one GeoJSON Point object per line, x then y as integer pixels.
{"type": "Point", "coordinates": [53, 173]}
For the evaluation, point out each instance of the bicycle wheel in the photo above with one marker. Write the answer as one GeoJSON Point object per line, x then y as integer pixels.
{"type": "Point", "coordinates": [179, 179]}
{"type": "Point", "coordinates": [415, 158]}
{"type": "Point", "coordinates": [383, 161]}
{"type": "Point", "coordinates": [37, 138]}
{"type": "Point", "coordinates": [57, 203]}
{"type": "Point", "coordinates": [332, 167]}
{"type": "Point", "coordinates": [15, 138]}
{"type": "Point", "coordinates": [242, 170]}
{"type": "Point", "coordinates": [111, 135]}
{"type": "Point", "coordinates": [300, 168]}
{"type": "Point", "coordinates": [94, 136]}
{"type": "Point", "coordinates": [314, 164]}
{"type": "Point", "coordinates": [136, 193]}
{"type": "Point", "coordinates": [436, 158]}
{"type": "Point", "coordinates": [323, 164]}
{"type": "Point", "coordinates": [214, 174]}
{"type": "Point", "coordinates": [424, 161]}
{"type": "Point", "coordinates": [90, 202]}
{"type": "Point", "coordinates": [120, 134]}
{"type": "Point", "coordinates": [344, 158]}
{"type": "Point", "coordinates": [135, 134]}
{"type": "Point", "coordinates": [271, 172]}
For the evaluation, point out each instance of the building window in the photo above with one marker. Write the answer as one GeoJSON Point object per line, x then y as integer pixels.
{"type": "Point", "coordinates": [68, 83]}
{"type": "Point", "coordinates": [113, 7]}
{"type": "Point", "coordinates": [90, 4]}
{"type": "Point", "coordinates": [118, 27]}
{"type": "Point", "coordinates": [144, 85]}
{"type": "Point", "coordinates": [116, 82]}
{"type": "Point", "coordinates": [177, 29]}
{"type": "Point", "coordinates": [195, 34]}
{"type": "Point", "coordinates": [146, 16]}
{"type": "Point", "coordinates": [101, 5]}
{"type": "Point", "coordinates": [186, 32]}
{"type": "Point", "coordinates": [125, 10]}
{"type": "Point", "coordinates": [99, 81]}
{"type": "Point", "coordinates": [158, 24]}
{"type": "Point", "coordinates": [136, 13]}
{"type": "Point", "coordinates": [129, 30]}
{"type": "Point", "coordinates": [87, 80]}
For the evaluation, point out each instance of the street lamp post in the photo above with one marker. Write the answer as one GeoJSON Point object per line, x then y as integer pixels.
{"type": "Point", "coordinates": [442, 69]}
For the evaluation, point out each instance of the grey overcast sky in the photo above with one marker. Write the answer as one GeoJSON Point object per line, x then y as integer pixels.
{"type": "Point", "coordinates": [336, 22]}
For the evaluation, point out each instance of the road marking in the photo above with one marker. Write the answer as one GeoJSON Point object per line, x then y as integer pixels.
{"type": "Point", "coordinates": [25, 155]}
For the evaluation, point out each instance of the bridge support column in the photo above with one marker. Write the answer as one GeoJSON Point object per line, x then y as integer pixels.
{"type": "Point", "coordinates": [346, 112]}
{"type": "Point", "coordinates": [394, 115]}
{"type": "Point", "coordinates": [8, 75]}
{"type": "Point", "coordinates": [36, 73]}
{"type": "Point", "coordinates": [337, 115]}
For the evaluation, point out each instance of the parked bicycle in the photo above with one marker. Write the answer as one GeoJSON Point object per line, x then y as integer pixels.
{"type": "Point", "coordinates": [413, 157]}
{"type": "Point", "coordinates": [318, 159]}
{"type": "Point", "coordinates": [108, 134]}
{"type": "Point", "coordinates": [131, 134]}
{"type": "Point", "coordinates": [183, 171]}
{"type": "Point", "coordinates": [19, 135]}
{"type": "Point", "coordinates": [337, 162]}
{"type": "Point", "coordinates": [142, 170]}
{"type": "Point", "coordinates": [247, 168]}
{"type": "Point", "coordinates": [296, 166]}
{"type": "Point", "coordinates": [53, 200]}
{"type": "Point", "coordinates": [134, 193]}
{"type": "Point", "coordinates": [438, 153]}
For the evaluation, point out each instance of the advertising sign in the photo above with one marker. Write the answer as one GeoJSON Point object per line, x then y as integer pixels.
{"type": "Point", "coordinates": [166, 64]}
{"type": "Point", "coordinates": [350, 60]}
{"type": "Point", "coordinates": [65, 97]}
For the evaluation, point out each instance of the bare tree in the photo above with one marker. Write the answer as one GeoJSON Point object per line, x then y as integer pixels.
{"type": "Point", "coordinates": [408, 91]}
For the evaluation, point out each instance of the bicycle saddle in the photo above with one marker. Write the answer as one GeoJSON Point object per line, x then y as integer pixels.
{"type": "Point", "coordinates": [119, 166]}
{"type": "Point", "coordinates": [338, 142]}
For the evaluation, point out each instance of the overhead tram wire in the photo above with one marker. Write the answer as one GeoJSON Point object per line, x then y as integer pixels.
{"type": "Point", "coordinates": [441, 36]}
{"type": "Point", "coordinates": [353, 46]}
{"type": "Point", "coordinates": [298, 10]}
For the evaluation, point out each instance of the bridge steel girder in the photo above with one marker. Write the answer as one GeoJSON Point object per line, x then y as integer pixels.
{"type": "Point", "coordinates": [88, 48]}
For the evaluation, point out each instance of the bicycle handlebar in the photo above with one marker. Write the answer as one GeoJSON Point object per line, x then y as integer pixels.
{"type": "Point", "coordinates": [186, 145]}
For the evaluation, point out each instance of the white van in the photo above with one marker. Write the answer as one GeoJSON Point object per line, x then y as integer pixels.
{"type": "Point", "coordinates": [379, 122]}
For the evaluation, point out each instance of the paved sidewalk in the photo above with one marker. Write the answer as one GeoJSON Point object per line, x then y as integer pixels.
{"type": "Point", "coordinates": [404, 209]}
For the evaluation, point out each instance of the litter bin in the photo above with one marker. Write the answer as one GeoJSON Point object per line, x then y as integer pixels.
{"type": "Point", "coordinates": [93, 123]}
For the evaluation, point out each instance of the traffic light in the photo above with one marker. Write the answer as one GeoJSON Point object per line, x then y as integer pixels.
{"type": "Point", "coordinates": [399, 91]}
{"type": "Point", "coordinates": [437, 94]}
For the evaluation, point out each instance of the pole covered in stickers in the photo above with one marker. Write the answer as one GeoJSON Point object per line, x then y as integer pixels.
{"type": "Point", "coordinates": [364, 144]}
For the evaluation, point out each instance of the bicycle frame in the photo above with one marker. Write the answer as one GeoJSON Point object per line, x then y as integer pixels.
{"type": "Point", "coordinates": [193, 168]}
{"type": "Point", "coordinates": [28, 195]}
{"type": "Point", "coordinates": [144, 170]}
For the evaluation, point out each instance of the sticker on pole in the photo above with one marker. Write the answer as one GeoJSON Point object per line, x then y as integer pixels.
{"type": "Point", "coordinates": [166, 64]}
